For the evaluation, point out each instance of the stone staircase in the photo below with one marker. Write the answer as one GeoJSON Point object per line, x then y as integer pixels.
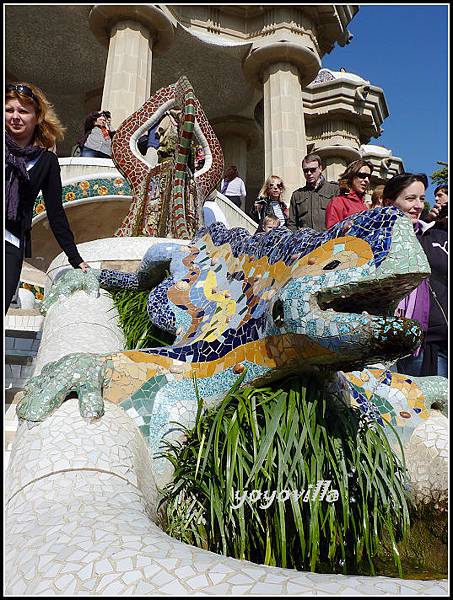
{"type": "Point", "coordinates": [23, 329]}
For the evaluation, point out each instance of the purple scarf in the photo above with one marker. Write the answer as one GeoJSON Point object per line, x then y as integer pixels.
{"type": "Point", "coordinates": [417, 305]}
{"type": "Point", "coordinates": [16, 169]}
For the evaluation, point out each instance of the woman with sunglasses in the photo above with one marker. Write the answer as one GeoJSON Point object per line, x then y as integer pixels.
{"type": "Point", "coordinates": [353, 184]}
{"type": "Point", "coordinates": [32, 129]}
{"type": "Point", "coordinates": [270, 202]}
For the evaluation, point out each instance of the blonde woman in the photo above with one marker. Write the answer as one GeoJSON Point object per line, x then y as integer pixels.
{"type": "Point", "coordinates": [270, 201]}
{"type": "Point", "coordinates": [32, 129]}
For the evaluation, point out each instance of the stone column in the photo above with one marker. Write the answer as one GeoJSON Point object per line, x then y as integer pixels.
{"type": "Point", "coordinates": [132, 33]}
{"type": "Point", "coordinates": [237, 135]}
{"type": "Point", "coordinates": [282, 69]}
{"type": "Point", "coordinates": [285, 142]}
{"type": "Point", "coordinates": [336, 158]}
{"type": "Point", "coordinates": [127, 82]}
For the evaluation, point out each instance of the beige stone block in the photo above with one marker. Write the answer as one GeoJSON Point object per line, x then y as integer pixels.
{"type": "Point", "coordinates": [285, 142]}
{"type": "Point", "coordinates": [129, 64]}
{"type": "Point", "coordinates": [288, 105]}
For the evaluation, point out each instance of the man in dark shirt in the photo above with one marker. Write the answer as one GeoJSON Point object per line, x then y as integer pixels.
{"type": "Point", "coordinates": [308, 203]}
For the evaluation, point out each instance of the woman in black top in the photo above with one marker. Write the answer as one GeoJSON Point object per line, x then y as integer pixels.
{"type": "Point", "coordinates": [32, 129]}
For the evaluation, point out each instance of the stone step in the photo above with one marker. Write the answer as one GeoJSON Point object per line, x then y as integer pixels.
{"type": "Point", "coordinates": [18, 357]}
{"type": "Point", "coordinates": [22, 312]}
{"type": "Point", "coordinates": [22, 333]}
{"type": "Point", "coordinates": [17, 375]}
{"type": "Point", "coordinates": [21, 344]}
{"type": "Point", "coordinates": [10, 394]}
{"type": "Point", "coordinates": [10, 424]}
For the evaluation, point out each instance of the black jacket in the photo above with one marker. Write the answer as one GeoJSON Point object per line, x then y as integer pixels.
{"type": "Point", "coordinates": [44, 176]}
{"type": "Point", "coordinates": [434, 242]}
{"type": "Point", "coordinates": [265, 208]}
{"type": "Point", "coordinates": [307, 207]}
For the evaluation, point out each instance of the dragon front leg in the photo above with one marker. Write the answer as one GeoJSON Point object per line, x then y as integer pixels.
{"type": "Point", "coordinates": [82, 373]}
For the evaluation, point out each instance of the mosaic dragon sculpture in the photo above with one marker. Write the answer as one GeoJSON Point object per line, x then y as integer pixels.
{"type": "Point", "coordinates": [264, 306]}
{"type": "Point", "coordinates": [167, 199]}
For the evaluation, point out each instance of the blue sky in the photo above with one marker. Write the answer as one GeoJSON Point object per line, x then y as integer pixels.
{"type": "Point", "coordinates": [404, 50]}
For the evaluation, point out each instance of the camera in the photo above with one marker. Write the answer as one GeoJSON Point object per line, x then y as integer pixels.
{"type": "Point", "coordinates": [443, 211]}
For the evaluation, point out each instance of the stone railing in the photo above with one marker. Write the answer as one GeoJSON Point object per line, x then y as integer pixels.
{"type": "Point", "coordinates": [77, 166]}
{"type": "Point", "coordinates": [234, 216]}
{"type": "Point", "coordinates": [87, 178]}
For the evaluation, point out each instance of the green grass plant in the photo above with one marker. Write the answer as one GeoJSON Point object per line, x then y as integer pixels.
{"type": "Point", "coordinates": [280, 438]}
{"type": "Point", "coordinates": [134, 320]}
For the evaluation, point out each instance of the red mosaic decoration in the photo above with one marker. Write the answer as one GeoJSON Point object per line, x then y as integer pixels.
{"type": "Point", "coordinates": [167, 200]}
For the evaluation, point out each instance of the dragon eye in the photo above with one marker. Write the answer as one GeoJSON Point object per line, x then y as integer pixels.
{"type": "Point", "coordinates": [332, 265]}
{"type": "Point", "coordinates": [277, 313]}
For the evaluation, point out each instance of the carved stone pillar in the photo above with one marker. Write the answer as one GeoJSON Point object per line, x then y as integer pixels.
{"type": "Point", "coordinates": [281, 70]}
{"type": "Point", "coordinates": [336, 158]}
{"type": "Point", "coordinates": [132, 33]}
{"type": "Point", "coordinates": [284, 133]}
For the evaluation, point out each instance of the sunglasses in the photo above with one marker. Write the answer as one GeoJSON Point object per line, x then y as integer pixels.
{"type": "Point", "coordinates": [312, 170]}
{"type": "Point", "coordinates": [362, 175]}
{"type": "Point", "coordinates": [276, 185]}
{"type": "Point", "coordinates": [22, 89]}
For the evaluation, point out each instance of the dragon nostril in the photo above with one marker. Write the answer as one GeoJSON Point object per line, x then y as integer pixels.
{"type": "Point", "coordinates": [277, 313]}
{"type": "Point", "coordinates": [332, 265]}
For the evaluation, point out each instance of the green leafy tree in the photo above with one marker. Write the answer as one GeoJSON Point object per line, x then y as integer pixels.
{"type": "Point", "coordinates": [441, 175]}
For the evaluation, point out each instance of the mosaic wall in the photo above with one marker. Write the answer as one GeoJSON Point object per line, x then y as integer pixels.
{"type": "Point", "coordinates": [36, 290]}
{"type": "Point", "coordinates": [168, 198]}
{"type": "Point", "coordinates": [322, 76]}
{"type": "Point", "coordinates": [87, 188]}
{"type": "Point", "coordinates": [266, 305]}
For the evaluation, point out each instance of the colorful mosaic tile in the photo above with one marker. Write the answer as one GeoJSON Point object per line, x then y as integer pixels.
{"type": "Point", "coordinates": [88, 188]}
{"type": "Point", "coordinates": [167, 198]}
{"type": "Point", "coordinates": [271, 305]}
{"type": "Point", "coordinates": [36, 290]}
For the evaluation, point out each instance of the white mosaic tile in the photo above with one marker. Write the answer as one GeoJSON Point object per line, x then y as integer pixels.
{"type": "Point", "coordinates": [114, 589]}
{"type": "Point", "coordinates": [150, 571]}
{"type": "Point", "coordinates": [198, 582]}
{"type": "Point", "coordinates": [174, 588]}
{"type": "Point", "coordinates": [64, 582]}
{"type": "Point", "coordinates": [131, 576]}
{"type": "Point", "coordinates": [185, 572]}
{"type": "Point", "coordinates": [216, 578]}
{"type": "Point", "coordinates": [239, 590]}
{"type": "Point", "coordinates": [143, 588]}
{"type": "Point", "coordinates": [89, 584]}
{"type": "Point", "coordinates": [162, 578]}
{"type": "Point", "coordinates": [241, 579]}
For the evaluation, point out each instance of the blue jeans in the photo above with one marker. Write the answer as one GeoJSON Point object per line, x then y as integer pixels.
{"type": "Point", "coordinates": [412, 365]}
{"type": "Point", "coordinates": [442, 363]}
{"type": "Point", "coordinates": [89, 153]}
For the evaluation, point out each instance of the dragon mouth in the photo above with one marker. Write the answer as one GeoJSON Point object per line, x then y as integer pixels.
{"type": "Point", "coordinates": [378, 298]}
{"type": "Point", "coordinates": [389, 337]}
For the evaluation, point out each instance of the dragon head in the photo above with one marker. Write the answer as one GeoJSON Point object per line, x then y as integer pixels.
{"type": "Point", "coordinates": [338, 305]}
